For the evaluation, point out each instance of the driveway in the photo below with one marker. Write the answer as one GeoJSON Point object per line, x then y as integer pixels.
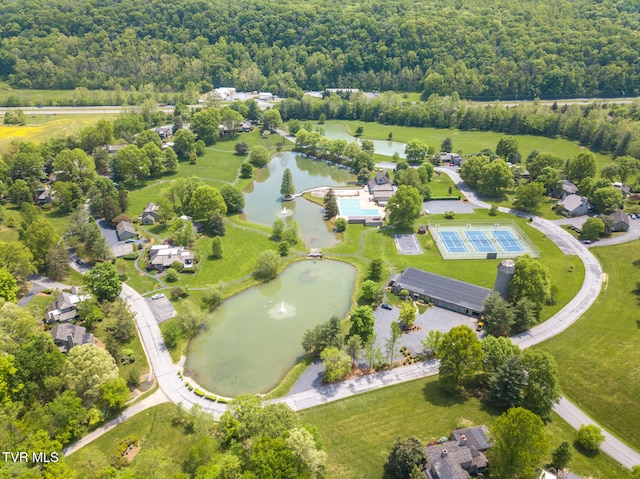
{"type": "Point", "coordinates": [108, 232]}
{"type": "Point", "coordinates": [161, 308]}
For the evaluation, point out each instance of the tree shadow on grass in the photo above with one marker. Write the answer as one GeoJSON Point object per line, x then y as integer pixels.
{"type": "Point", "coordinates": [585, 452]}
{"type": "Point", "coordinates": [435, 394]}
{"type": "Point", "coordinates": [636, 291]}
{"type": "Point", "coordinates": [636, 263]}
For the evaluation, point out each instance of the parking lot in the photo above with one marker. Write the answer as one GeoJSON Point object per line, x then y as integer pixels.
{"type": "Point", "coordinates": [161, 308]}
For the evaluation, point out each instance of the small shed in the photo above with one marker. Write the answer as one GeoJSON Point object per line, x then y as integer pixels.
{"type": "Point", "coordinates": [620, 221]}
{"type": "Point", "coordinates": [126, 231]}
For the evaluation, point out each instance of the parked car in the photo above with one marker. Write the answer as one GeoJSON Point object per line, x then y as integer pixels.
{"type": "Point", "coordinates": [131, 240]}
{"type": "Point", "coordinates": [633, 216]}
{"type": "Point", "coordinates": [386, 306]}
{"type": "Point", "coordinates": [480, 326]}
{"type": "Point", "coordinates": [79, 262]}
{"type": "Point", "coordinates": [586, 241]}
{"type": "Point", "coordinates": [157, 296]}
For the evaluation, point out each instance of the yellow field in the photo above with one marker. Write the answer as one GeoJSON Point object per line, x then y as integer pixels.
{"type": "Point", "coordinates": [45, 127]}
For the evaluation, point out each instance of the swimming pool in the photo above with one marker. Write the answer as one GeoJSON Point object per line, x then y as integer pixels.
{"type": "Point", "coordinates": [351, 207]}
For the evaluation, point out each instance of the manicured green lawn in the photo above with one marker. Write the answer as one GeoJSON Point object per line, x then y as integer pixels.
{"type": "Point", "coordinates": [380, 244]}
{"type": "Point", "coordinates": [359, 431]}
{"type": "Point", "coordinates": [138, 281]}
{"type": "Point", "coordinates": [153, 428]}
{"type": "Point", "coordinates": [598, 357]}
{"type": "Point", "coordinates": [470, 141]}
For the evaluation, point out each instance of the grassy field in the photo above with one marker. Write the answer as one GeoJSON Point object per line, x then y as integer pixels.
{"type": "Point", "coordinates": [470, 141]}
{"type": "Point", "coordinates": [43, 127]}
{"type": "Point", "coordinates": [359, 431]}
{"type": "Point", "coordinates": [567, 272]}
{"type": "Point", "coordinates": [153, 428]}
{"type": "Point", "coordinates": [598, 357]}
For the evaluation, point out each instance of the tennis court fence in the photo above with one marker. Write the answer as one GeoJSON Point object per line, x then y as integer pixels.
{"type": "Point", "coordinates": [481, 240]}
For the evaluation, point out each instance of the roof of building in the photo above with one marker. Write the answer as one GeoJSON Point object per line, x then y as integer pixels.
{"type": "Point", "coordinates": [445, 289]}
{"type": "Point", "coordinates": [620, 216]}
{"type": "Point", "coordinates": [571, 202]}
{"type": "Point", "coordinates": [569, 187]}
{"type": "Point", "coordinates": [125, 227]}
{"type": "Point", "coordinates": [166, 256]}
{"type": "Point", "coordinates": [150, 208]}
{"type": "Point", "coordinates": [478, 437]}
{"type": "Point", "coordinates": [79, 335]}
{"type": "Point", "coordinates": [379, 181]}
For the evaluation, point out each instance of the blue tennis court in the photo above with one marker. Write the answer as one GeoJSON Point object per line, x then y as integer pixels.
{"type": "Point", "coordinates": [452, 242]}
{"type": "Point", "coordinates": [508, 241]}
{"type": "Point", "coordinates": [480, 242]}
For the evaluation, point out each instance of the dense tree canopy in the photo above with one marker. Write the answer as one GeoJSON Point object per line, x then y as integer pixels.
{"type": "Point", "coordinates": [376, 46]}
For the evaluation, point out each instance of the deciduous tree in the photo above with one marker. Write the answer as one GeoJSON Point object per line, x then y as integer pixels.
{"type": "Point", "coordinates": [416, 151]}
{"type": "Point", "coordinates": [404, 206]}
{"type": "Point", "coordinates": [582, 166]}
{"type": "Point", "coordinates": [529, 196]}
{"type": "Point", "coordinates": [337, 364]}
{"type": "Point", "coordinates": [103, 281]}
{"type": "Point", "coordinates": [405, 454]}
{"type": "Point", "coordinates": [233, 198]}
{"type": "Point", "coordinates": [362, 321]}
{"type": "Point", "coordinates": [590, 437]}
{"type": "Point", "coordinates": [205, 200]}
{"type": "Point", "coordinates": [87, 369]}
{"type": "Point", "coordinates": [519, 446]}
{"type": "Point", "coordinates": [592, 228]}
{"type": "Point", "coordinates": [499, 315]}
{"type": "Point", "coordinates": [531, 280]}
{"type": "Point", "coordinates": [8, 286]}
{"type": "Point", "coordinates": [259, 156]}
{"type": "Point", "coordinates": [266, 265]}
{"type": "Point", "coordinates": [39, 237]}
{"type": "Point", "coordinates": [460, 354]}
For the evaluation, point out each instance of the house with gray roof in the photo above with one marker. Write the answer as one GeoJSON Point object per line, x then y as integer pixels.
{"type": "Point", "coordinates": [65, 307]}
{"type": "Point", "coordinates": [620, 221]}
{"type": "Point", "coordinates": [443, 292]}
{"type": "Point", "coordinates": [459, 457]}
{"type": "Point", "coordinates": [574, 205]}
{"type": "Point", "coordinates": [162, 257]}
{"type": "Point", "coordinates": [66, 336]}
{"type": "Point", "coordinates": [149, 214]}
{"type": "Point", "coordinates": [381, 188]}
{"type": "Point", "coordinates": [126, 231]}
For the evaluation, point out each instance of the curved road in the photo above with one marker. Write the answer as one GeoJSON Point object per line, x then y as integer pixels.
{"type": "Point", "coordinates": [176, 391]}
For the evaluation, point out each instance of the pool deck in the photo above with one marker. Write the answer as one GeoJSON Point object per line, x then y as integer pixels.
{"type": "Point", "coordinates": [366, 200]}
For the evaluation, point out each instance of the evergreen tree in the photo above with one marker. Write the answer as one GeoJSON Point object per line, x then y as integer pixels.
{"type": "Point", "coordinates": [287, 189]}
{"type": "Point", "coordinates": [216, 248]}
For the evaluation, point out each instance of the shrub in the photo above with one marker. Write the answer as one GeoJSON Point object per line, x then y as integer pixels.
{"type": "Point", "coordinates": [199, 392]}
{"type": "Point", "coordinates": [590, 437]}
{"type": "Point", "coordinates": [449, 214]}
{"type": "Point", "coordinates": [403, 293]}
{"type": "Point", "coordinates": [179, 292]}
{"type": "Point", "coordinates": [493, 211]}
{"type": "Point", "coordinates": [210, 397]}
{"type": "Point", "coordinates": [283, 249]}
{"type": "Point", "coordinates": [246, 170]}
{"type": "Point", "coordinates": [130, 256]}
{"type": "Point", "coordinates": [178, 266]}
{"type": "Point", "coordinates": [127, 356]}
{"type": "Point", "coordinates": [341, 225]}
{"type": "Point", "coordinates": [223, 400]}
{"type": "Point", "coordinates": [172, 275]}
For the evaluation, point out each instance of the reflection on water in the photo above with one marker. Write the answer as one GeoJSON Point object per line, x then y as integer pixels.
{"type": "Point", "coordinates": [263, 200]}
{"type": "Point", "coordinates": [336, 131]}
{"type": "Point", "coordinates": [252, 339]}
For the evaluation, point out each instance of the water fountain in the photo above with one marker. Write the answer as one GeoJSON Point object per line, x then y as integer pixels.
{"type": "Point", "coordinates": [282, 308]}
{"type": "Point", "coordinates": [284, 213]}
{"type": "Point", "coordinates": [283, 311]}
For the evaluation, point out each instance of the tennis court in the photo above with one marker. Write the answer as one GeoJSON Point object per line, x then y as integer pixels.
{"type": "Point", "coordinates": [452, 242]}
{"type": "Point", "coordinates": [481, 240]}
{"type": "Point", "coordinates": [507, 241]}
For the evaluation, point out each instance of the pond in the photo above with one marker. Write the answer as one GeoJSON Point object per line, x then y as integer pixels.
{"type": "Point", "coordinates": [336, 131]}
{"type": "Point", "coordinates": [263, 202]}
{"type": "Point", "coordinates": [251, 340]}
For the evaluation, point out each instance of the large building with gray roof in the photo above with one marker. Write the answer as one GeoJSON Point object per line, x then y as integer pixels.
{"type": "Point", "coordinates": [443, 292]}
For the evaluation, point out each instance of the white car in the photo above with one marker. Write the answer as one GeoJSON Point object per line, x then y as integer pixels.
{"type": "Point", "coordinates": [157, 296]}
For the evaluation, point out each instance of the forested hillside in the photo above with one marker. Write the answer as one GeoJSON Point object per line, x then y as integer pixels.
{"type": "Point", "coordinates": [483, 49]}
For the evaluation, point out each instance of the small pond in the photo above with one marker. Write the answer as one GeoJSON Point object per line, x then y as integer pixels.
{"type": "Point", "coordinates": [251, 340]}
{"type": "Point", "coordinates": [263, 201]}
{"type": "Point", "coordinates": [336, 131]}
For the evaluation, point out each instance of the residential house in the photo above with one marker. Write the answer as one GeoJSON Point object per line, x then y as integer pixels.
{"type": "Point", "coordinates": [381, 188]}
{"type": "Point", "coordinates": [113, 149]}
{"type": "Point", "coordinates": [246, 126]}
{"type": "Point", "coordinates": [149, 214]}
{"type": "Point", "coordinates": [561, 474]}
{"type": "Point", "coordinates": [626, 191]}
{"type": "Point", "coordinates": [64, 308]}
{"type": "Point", "coordinates": [126, 231]}
{"type": "Point", "coordinates": [564, 189]}
{"type": "Point", "coordinates": [66, 336]}
{"type": "Point", "coordinates": [574, 205]}
{"type": "Point", "coordinates": [162, 257]}
{"type": "Point", "coordinates": [44, 195]}
{"type": "Point", "coordinates": [452, 158]}
{"type": "Point", "coordinates": [459, 457]}
{"type": "Point", "coordinates": [164, 132]}
{"type": "Point", "coordinates": [620, 220]}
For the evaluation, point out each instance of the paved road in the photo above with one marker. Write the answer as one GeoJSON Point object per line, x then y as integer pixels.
{"type": "Point", "coordinates": [176, 391]}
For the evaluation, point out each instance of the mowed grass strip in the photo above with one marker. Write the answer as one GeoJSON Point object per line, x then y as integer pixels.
{"type": "Point", "coordinates": [470, 141]}
{"type": "Point", "coordinates": [359, 431]}
{"type": "Point", "coordinates": [598, 357]}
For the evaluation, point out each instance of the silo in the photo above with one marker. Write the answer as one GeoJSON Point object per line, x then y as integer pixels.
{"type": "Point", "coordinates": [506, 270]}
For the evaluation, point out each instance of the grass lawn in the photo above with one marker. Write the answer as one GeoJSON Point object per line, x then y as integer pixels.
{"type": "Point", "coordinates": [359, 431]}
{"type": "Point", "coordinates": [138, 281]}
{"type": "Point", "coordinates": [598, 357]}
{"type": "Point", "coordinates": [380, 244]}
{"type": "Point", "coordinates": [470, 141]}
{"type": "Point", "coordinates": [153, 428]}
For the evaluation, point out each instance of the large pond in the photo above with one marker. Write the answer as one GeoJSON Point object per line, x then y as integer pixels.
{"type": "Point", "coordinates": [251, 340]}
{"type": "Point", "coordinates": [336, 131]}
{"type": "Point", "coordinates": [263, 202]}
